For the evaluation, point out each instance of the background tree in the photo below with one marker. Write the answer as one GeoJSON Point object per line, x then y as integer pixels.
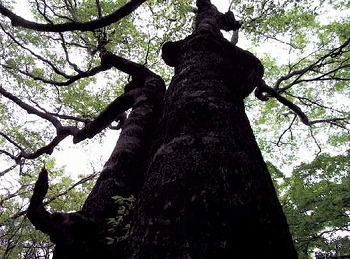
{"type": "Point", "coordinates": [315, 199]}
{"type": "Point", "coordinates": [64, 93]}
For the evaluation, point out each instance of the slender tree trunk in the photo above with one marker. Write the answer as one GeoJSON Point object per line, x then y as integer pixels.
{"type": "Point", "coordinates": [84, 234]}
{"type": "Point", "coordinates": [208, 193]}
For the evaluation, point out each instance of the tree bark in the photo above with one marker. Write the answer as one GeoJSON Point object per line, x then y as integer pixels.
{"type": "Point", "coordinates": [83, 234]}
{"type": "Point", "coordinates": [208, 193]}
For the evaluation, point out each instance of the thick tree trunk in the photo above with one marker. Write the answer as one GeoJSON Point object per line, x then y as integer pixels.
{"type": "Point", "coordinates": [208, 193]}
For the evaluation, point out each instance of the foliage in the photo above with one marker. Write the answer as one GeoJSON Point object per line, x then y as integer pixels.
{"type": "Point", "coordinates": [39, 68]}
{"type": "Point", "coordinates": [119, 226]}
{"type": "Point", "coordinates": [316, 201]}
{"type": "Point", "coordinates": [19, 239]}
{"type": "Point", "coordinates": [304, 33]}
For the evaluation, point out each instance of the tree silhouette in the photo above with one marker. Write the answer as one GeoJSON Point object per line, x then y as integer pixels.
{"type": "Point", "coordinates": [186, 178]}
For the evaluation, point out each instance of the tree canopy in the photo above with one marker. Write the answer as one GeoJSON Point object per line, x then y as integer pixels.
{"type": "Point", "coordinates": [53, 84]}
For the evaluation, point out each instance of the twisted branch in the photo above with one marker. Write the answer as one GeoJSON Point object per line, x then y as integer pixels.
{"type": "Point", "coordinates": [117, 15]}
{"type": "Point", "coordinates": [140, 76]}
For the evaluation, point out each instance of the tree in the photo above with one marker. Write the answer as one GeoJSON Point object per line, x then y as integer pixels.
{"type": "Point", "coordinates": [18, 237]}
{"type": "Point", "coordinates": [315, 199]}
{"type": "Point", "coordinates": [187, 156]}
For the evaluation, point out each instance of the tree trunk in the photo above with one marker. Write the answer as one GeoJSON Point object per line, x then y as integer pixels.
{"type": "Point", "coordinates": [208, 193]}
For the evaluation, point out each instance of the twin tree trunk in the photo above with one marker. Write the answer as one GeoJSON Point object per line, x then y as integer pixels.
{"type": "Point", "coordinates": [206, 191]}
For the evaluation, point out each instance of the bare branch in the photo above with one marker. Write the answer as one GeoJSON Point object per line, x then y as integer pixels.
{"type": "Point", "coordinates": [316, 142]}
{"type": "Point", "coordinates": [7, 154]}
{"type": "Point", "coordinates": [36, 212]}
{"type": "Point", "coordinates": [68, 117]}
{"type": "Point", "coordinates": [2, 173]}
{"type": "Point", "coordinates": [105, 118]}
{"type": "Point", "coordinates": [309, 102]}
{"type": "Point", "coordinates": [31, 110]}
{"type": "Point", "coordinates": [72, 10]}
{"type": "Point", "coordinates": [65, 192]}
{"type": "Point", "coordinates": [141, 76]}
{"type": "Point", "coordinates": [75, 66]}
{"type": "Point", "coordinates": [43, 13]}
{"type": "Point", "coordinates": [263, 88]}
{"type": "Point", "coordinates": [62, 132]}
{"type": "Point", "coordinates": [61, 116]}
{"type": "Point", "coordinates": [320, 62]}
{"type": "Point", "coordinates": [338, 122]}
{"type": "Point", "coordinates": [139, 73]}
{"type": "Point", "coordinates": [99, 9]}
{"type": "Point", "coordinates": [112, 111]}
{"type": "Point", "coordinates": [286, 130]}
{"type": "Point", "coordinates": [20, 191]}
{"type": "Point", "coordinates": [73, 26]}
{"type": "Point", "coordinates": [322, 77]}
{"type": "Point", "coordinates": [109, 60]}
{"type": "Point", "coordinates": [12, 142]}
{"type": "Point", "coordinates": [72, 79]}
{"type": "Point", "coordinates": [48, 149]}
{"type": "Point", "coordinates": [55, 197]}
{"type": "Point", "coordinates": [54, 68]}
{"type": "Point", "coordinates": [275, 39]}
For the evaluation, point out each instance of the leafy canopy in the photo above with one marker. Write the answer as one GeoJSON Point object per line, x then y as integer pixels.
{"type": "Point", "coordinates": [305, 50]}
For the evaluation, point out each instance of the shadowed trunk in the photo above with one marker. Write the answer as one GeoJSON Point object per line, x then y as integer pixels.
{"type": "Point", "coordinates": [202, 188]}
{"type": "Point", "coordinates": [208, 192]}
{"type": "Point", "coordinates": [83, 234]}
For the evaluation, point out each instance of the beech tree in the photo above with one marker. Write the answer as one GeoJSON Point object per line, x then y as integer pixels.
{"type": "Point", "coordinates": [315, 199]}
{"type": "Point", "coordinates": [186, 178]}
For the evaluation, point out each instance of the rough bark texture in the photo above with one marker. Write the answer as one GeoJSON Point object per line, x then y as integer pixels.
{"type": "Point", "coordinates": [207, 192]}
{"type": "Point", "coordinates": [83, 234]}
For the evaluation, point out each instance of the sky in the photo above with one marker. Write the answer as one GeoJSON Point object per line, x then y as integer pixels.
{"type": "Point", "coordinates": [82, 158]}
{"type": "Point", "coordinates": [90, 156]}
{"type": "Point", "coordinates": [87, 157]}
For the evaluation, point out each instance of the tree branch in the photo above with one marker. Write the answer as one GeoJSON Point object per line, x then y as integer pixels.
{"type": "Point", "coordinates": [308, 102]}
{"type": "Point", "coordinates": [73, 26]}
{"type": "Point", "coordinates": [36, 212]}
{"type": "Point", "coordinates": [63, 44]}
{"type": "Point", "coordinates": [286, 130]}
{"type": "Point", "coordinates": [55, 197]}
{"type": "Point", "coordinates": [72, 79]}
{"type": "Point", "coordinates": [11, 141]}
{"type": "Point", "coordinates": [48, 149]}
{"type": "Point", "coordinates": [3, 172]}
{"type": "Point", "coordinates": [136, 70]}
{"type": "Point", "coordinates": [316, 142]}
{"type": "Point", "coordinates": [31, 110]}
{"type": "Point", "coordinates": [141, 77]}
{"type": "Point", "coordinates": [61, 116]}
{"type": "Point", "coordinates": [317, 64]}
{"type": "Point", "coordinates": [105, 118]}
{"type": "Point", "coordinates": [262, 87]}
{"type": "Point", "coordinates": [46, 61]}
